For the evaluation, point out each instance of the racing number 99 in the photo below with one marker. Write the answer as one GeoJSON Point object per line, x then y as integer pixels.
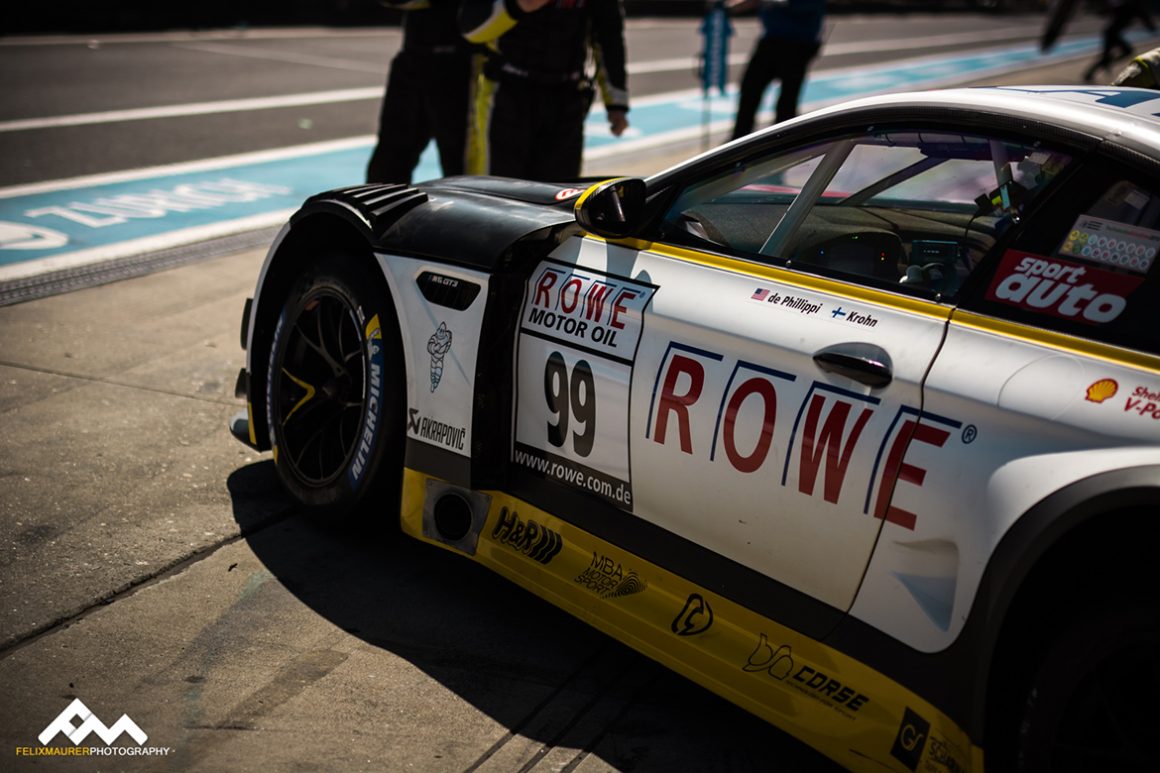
{"type": "Point", "coordinates": [573, 397]}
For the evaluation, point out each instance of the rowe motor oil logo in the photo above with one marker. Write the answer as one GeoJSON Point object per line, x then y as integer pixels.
{"type": "Point", "coordinates": [90, 724]}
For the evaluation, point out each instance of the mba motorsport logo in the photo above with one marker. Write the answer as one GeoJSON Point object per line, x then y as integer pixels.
{"type": "Point", "coordinates": [90, 724]}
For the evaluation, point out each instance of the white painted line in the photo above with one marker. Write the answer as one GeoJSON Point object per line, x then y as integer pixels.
{"type": "Point", "coordinates": [181, 36]}
{"type": "Point", "coordinates": [932, 41]}
{"type": "Point", "coordinates": [134, 247]}
{"type": "Point", "coordinates": [843, 49]}
{"type": "Point", "coordinates": [626, 147]}
{"type": "Point", "coordinates": [195, 108]}
{"type": "Point", "coordinates": [375, 92]}
{"type": "Point", "coordinates": [676, 64]}
{"type": "Point", "coordinates": [368, 140]}
{"type": "Point", "coordinates": [203, 165]}
{"type": "Point", "coordinates": [286, 56]}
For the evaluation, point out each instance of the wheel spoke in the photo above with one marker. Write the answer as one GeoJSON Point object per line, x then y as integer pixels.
{"type": "Point", "coordinates": [306, 445]}
{"type": "Point", "coordinates": [319, 347]}
{"type": "Point", "coordinates": [322, 395]}
{"type": "Point", "coordinates": [309, 389]}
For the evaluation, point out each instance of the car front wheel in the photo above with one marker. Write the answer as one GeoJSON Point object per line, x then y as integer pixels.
{"type": "Point", "coordinates": [336, 387]}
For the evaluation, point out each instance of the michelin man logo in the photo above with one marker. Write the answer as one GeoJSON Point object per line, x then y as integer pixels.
{"type": "Point", "coordinates": [90, 724]}
{"type": "Point", "coordinates": [437, 346]}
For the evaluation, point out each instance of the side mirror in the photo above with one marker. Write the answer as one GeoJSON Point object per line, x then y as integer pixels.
{"type": "Point", "coordinates": [613, 208]}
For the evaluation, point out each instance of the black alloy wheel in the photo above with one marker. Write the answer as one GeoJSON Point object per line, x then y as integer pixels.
{"type": "Point", "coordinates": [335, 387]}
{"type": "Point", "coordinates": [1092, 703]}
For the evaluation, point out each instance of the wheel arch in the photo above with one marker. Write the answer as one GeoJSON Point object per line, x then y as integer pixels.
{"type": "Point", "coordinates": [301, 242]}
{"type": "Point", "coordinates": [1077, 543]}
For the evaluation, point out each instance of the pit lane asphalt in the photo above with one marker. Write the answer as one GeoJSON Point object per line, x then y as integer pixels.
{"type": "Point", "coordinates": [151, 566]}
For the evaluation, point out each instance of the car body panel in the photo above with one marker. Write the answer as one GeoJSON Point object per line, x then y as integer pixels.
{"type": "Point", "coordinates": [728, 459]}
{"type": "Point", "coordinates": [731, 417]}
{"type": "Point", "coordinates": [1039, 417]}
{"type": "Point", "coordinates": [853, 714]}
{"type": "Point", "coordinates": [442, 342]}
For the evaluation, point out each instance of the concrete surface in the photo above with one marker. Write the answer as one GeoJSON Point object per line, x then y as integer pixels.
{"type": "Point", "coordinates": [150, 566]}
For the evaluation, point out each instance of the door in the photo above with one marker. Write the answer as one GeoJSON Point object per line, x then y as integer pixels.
{"type": "Point", "coordinates": [780, 327]}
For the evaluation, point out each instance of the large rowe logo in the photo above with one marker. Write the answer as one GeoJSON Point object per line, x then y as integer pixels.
{"type": "Point", "coordinates": [66, 724]}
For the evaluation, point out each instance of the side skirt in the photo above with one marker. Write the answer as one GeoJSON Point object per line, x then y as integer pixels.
{"type": "Point", "coordinates": [851, 713]}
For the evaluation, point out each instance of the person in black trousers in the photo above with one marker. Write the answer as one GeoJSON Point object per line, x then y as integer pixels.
{"type": "Point", "coordinates": [1121, 15]}
{"type": "Point", "coordinates": [534, 89]}
{"type": "Point", "coordinates": [791, 38]}
{"type": "Point", "coordinates": [427, 93]}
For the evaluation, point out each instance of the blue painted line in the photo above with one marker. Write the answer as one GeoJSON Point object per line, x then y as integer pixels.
{"type": "Point", "coordinates": [117, 212]}
{"type": "Point", "coordinates": [105, 220]}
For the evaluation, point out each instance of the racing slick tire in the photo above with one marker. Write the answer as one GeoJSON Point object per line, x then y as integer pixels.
{"type": "Point", "coordinates": [1092, 701]}
{"type": "Point", "coordinates": [336, 389]}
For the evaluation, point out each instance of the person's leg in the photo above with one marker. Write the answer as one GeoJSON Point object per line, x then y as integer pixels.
{"type": "Point", "coordinates": [403, 126]}
{"type": "Point", "coordinates": [448, 105]}
{"type": "Point", "coordinates": [501, 136]}
{"type": "Point", "coordinates": [1105, 58]}
{"type": "Point", "coordinates": [559, 118]}
{"type": "Point", "coordinates": [1119, 44]}
{"type": "Point", "coordinates": [758, 74]}
{"type": "Point", "coordinates": [794, 62]}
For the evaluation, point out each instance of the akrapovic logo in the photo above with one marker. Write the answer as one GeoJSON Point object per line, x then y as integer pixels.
{"type": "Point", "coordinates": [66, 724]}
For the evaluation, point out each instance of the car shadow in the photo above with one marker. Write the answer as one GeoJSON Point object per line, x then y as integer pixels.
{"type": "Point", "coordinates": [527, 665]}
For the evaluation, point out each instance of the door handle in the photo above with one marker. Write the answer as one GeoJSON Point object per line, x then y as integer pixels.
{"type": "Point", "coordinates": [865, 363]}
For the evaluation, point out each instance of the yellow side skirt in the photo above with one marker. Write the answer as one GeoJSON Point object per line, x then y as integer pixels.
{"type": "Point", "coordinates": [849, 712]}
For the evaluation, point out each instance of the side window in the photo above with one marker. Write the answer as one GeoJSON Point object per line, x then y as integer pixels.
{"type": "Point", "coordinates": [1091, 270]}
{"type": "Point", "coordinates": [738, 209]}
{"type": "Point", "coordinates": [902, 209]}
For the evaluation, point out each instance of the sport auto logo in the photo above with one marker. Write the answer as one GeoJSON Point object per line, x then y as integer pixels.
{"type": "Point", "coordinates": [1061, 288]}
{"type": "Point", "coordinates": [89, 724]}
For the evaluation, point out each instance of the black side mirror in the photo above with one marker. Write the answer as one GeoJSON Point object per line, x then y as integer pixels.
{"type": "Point", "coordinates": [613, 208]}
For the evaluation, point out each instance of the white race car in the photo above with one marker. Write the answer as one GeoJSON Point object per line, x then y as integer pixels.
{"type": "Point", "coordinates": [855, 421]}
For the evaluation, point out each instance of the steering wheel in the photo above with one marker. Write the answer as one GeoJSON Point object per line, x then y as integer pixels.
{"type": "Point", "coordinates": [926, 275]}
{"type": "Point", "coordinates": [933, 271]}
{"type": "Point", "coordinates": [702, 229]}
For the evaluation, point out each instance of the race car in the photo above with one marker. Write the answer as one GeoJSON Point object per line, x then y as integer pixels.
{"type": "Point", "coordinates": [854, 421]}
